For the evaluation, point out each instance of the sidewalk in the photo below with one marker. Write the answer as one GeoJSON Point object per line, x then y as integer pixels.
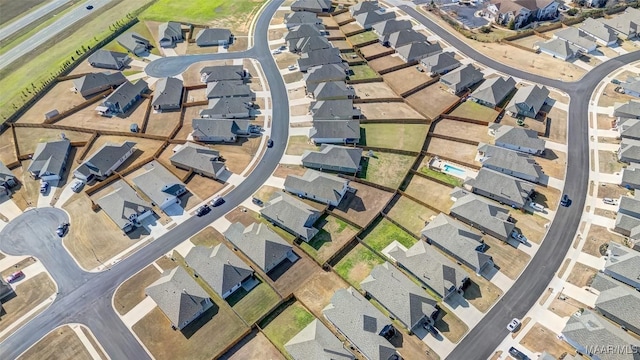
{"type": "Point", "coordinates": [9, 209]}
{"type": "Point", "coordinates": [138, 312]}
{"type": "Point", "coordinates": [77, 328]}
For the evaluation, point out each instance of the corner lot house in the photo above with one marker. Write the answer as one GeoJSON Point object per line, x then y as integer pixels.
{"type": "Point", "coordinates": [516, 138]}
{"type": "Point", "coordinates": [603, 34]}
{"type": "Point", "coordinates": [219, 267]}
{"type": "Point", "coordinates": [199, 159]}
{"type": "Point", "coordinates": [583, 41]}
{"type": "Point", "coordinates": [314, 6]}
{"type": "Point", "coordinates": [124, 206]}
{"type": "Point", "coordinates": [491, 92]}
{"type": "Point", "coordinates": [169, 34]}
{"type": "Point", "coordinates": [404, 300]}
{"type": "Point", "coordinates": [219, 130]}
{"type": "Point", "coordinates": [361, 323]}
{"type": "Point", "coordinates": [321, 187]}
{"type": "Point", "coordinates": [168, 94]}
{"type": "Point", "coordinates": [481, 214]}
{"type": "Point", "coordinates": [123, 98]}
{"type": "Point", "coordinates": [528, 101]}
{"type": "Point", "coordinates": [520, 12]}
{"type": "Point", "coordinates": [461, 78]}
{"type": "Point", "coordinates": [502, 188]}
{"type": "Point", "coordinates": [558, 48]}
{"type": "Point", "coordinates": [223, 72]}
{"type": "Point", "coordinates": [104, 161]}
{"type": "Point", "coordinates": [135, 43]}
{"type": "Point", "coordinates": [291, 214]}
{"type": "Point", "coordinates": [509, 162]}
{"type": "Point", "coordinates": [160, 185]}
{"type": "Point", "coordinates": [457, 240]}
{"type": "Point", "coordinates": [617, 302]}
{"type": "Point", "coordinates": [431, 268]}
{"type": "Point", "coordinates": [214, 37]}
{"type": "Point", "coordinates": [179, 297]}
{"type": "Point", "coordinates": [106, 59]}
{"type": "Point", "coordinates": [335, 132]}
{"type": "Point", "coordinates": [97, 82]}
{"type": "Point", "coordinates": [49, 160]}
{"type": "Point", "coordinates": [316, 341]}
{"type": "Point", "coordinates": [259, 243]}
{"type": "Point", "coordinates": [341, 159]}
{"type": "Point", "coordinates": [623, 264]}
{"type": "Point", "coordinates": [440, 63]}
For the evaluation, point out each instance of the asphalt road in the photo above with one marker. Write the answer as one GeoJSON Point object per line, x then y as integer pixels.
{"type": "Point", "coordinates": [89, 301]}
{"type": "Point", "coordinates": [50, 31]}
{"type": "Point", "coordinates": [28, 18]}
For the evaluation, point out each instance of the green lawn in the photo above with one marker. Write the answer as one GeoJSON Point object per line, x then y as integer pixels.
{"type": "Point", "coordinates": [475, 111]}
{"type": "Point", "coordinates": [383, 232]}
{"type": "Point", "coordinates": [257, 302]}
{"type": "Point", "coordinates": [361, 72]}
{"type": "Point", "coordinates": [287, 324]}
{"type": "Point", "coordinates": [333, 234]}
{"type": "Point", "coordinates": [357, 265]}
{"type": "Point", "coordinates": [410, 214]}
{"type": "Point", "coordinates": [142, 29]}
{"type": "Point", "coordinates": [200, 11]}
{"type": "Point", "coordinates": [362, 38]}
{"type": "Point", "coordinates": [208, 237]}
{"type": "Point", "coordinates": [449, 179]}
{"type": "Point", "coordinates": [408, 137]}
{"type": "Point", "coordinates": [386, 169]}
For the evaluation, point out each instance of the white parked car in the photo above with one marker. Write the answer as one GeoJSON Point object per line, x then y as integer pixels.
{"type": "Point", "coordinates": [292, 67]}
{"type": "Point", "coordinates": [609, 201]}
{"type": "Point", "coordinates": [276, 52]}
{"type": "Point", "coordinates": [77, 185]}
{"type": "Point", "coordinates": [513, 325]}
{"type": "Point", "coordinates": [536, 206]}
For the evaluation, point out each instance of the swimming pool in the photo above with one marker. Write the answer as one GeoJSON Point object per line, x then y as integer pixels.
{"type": "Point", "coordinates": [454, 170]}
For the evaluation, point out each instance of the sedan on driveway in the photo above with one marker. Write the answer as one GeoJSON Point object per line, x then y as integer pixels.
{"type": "Point", "coordinates": [15, 276]}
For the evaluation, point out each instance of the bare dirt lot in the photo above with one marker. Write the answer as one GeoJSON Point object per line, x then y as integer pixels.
{"type": "Point", "coordinates": [539, 339]}
{"type": "Point", "coordinates": [405, 79]}
{"type": "Point", "coordinates": [464, 153]}
{"type": "Point", "coordinates": [29, 293]}
{"type": "Point", "coordinates": [612, 191]}
{"type": "Point", "coordinates": [203, 187]}
{"type": "Point", "coordinates": [558, 124]}
{"type": "Point", "coordinates": [608, 162]}
{"type": "Point", "coordinates": [581, 275]}
{"type": "Point", "coordinates": [385, 110]}
{"type": "Point", "coordinates": [597, 238]}
{"type": "Point", "coordinates": [530, 225]}
{"type": "Point", "coordinates": [254, 346]}
{"type": "Point", "coordinates": [162, 123]}
{"type": "Point", "coordinates": [376, 90]}
{"type": "Point", "coordinates": [481, 293]}
{"type": "Point", "coordinates": [450, 325]}
{"type": "Point", "coordinates": [432, 100]}
{"type": "Point", "coordinates": [553, 163]}
{"type": "Point", "coordinates": [430, 192]}
{"type": "Point", "coordinates": [463, 130]}
{"type": "Point", "coordinates": [28, 138]}
{"type": "Point", "coordinates": [131, 292]}
{"type": "Point", "coordinates": [295, 275]}
{"type": "Point", "coordinates": [238, 156]}
{"type": "Point", "coordinates": [385, 63]}
{"type": "Point", "coordinates": [283, 170]}
{"type": "Point", "coordinates": [374, 50]}
{"type": "Point", "coordinates": [566, 307]}
{"type": "Point", "coordinates": [317, 291]}
{"type": "Point", "coordinates": [609, 96]}
{"type": "Point", "coordinates": [7, 147]}
{"type": "Point", "coordinates": [61, 97]}
{"type": "Point", "coordinates": [547, 196]}
{"type": "Point", "coordinates": [510, 260]}
{"type": "Point", "coordinates": [604, 121]}
{"type": "Point", "coordinates": [364, 205]}
{"type": "Point", "coordinates": [61, 343]}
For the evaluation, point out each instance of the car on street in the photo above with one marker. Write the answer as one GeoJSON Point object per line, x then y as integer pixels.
{"type": "Point", "coordinates": [15, 276]}
{"type": "Point", "coordinates": [270, 143]}
{"type": "Point", "coordinates": [513, 325]}
{"type": "Point", "coordinates": [518, 354]}
{"type": "Point", "coordinates": [565, 200]}
{"type": "Point", "coordinates": [521, 238]}
{"type": "Point", "coordinates": [257, 201]}
{"type": "Point", "coordinates": [203, 210]}
{"type": "Point", "coordinates": [62, 229]}
{"type": "Point", "coordinates": [217, 201]}
{"type": "Point", "coordinates": [77, 186]}
{"type": "Point", "coordinates": [44, 186]}
{"type": "Point", "coordinates": [89, 7]}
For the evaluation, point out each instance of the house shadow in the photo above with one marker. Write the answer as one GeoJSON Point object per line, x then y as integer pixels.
{"type": "Point", "coordinates": [353, 202]}
{"type": "Point", "coordinates": [541, 199]}
{"type": "Point", "coordinates": [491, 272]}
{"type": "Point", "coordinates": [132, 109]}
{"type": "Point", "coordinates": [549, 154]}
{"type": "Point", "coordinates": [398, 339]}
{"type": "Point", "coordinates": [177, 209]}
{"type": "Point", "coordinates": [191, 329]}
{"type": "Point", "coordinates": [239, 294]}
{"type": "Point", "coordinates": [66, 171]}
{"type": "Point", "coordinates": [277, 272]}
{"type": "Point", "coordinates": [138, 233]}
{"type": "Point", "coordinates": [363, 137]}
{"type": "Point", "coordinates": [472, 291]}
{"type": "Point", "coordinates": [455, 301]}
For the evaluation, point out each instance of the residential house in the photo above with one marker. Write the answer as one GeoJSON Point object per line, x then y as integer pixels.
{"type": "Point", "coordinates": [385, 28]}
{"type": "Point", "coordinates": [260, 244]}
{"type": "Point", "coordinates": [319, 57]}
{"type": "Point", "coordinates": [135, 43]}
{"type": "Point", "coordinates": [199, 159]}
{"type": "Point", "coordinates": [168, 94]}
{"type": "Point", "coordinates": [104, 161]}
{"type": "Point", "coordinates": [440, 63]}
{"type": "Point", "coordinates": [124, 206]}
{"type": "Point", "coordinates": [629, 151]}
{"type": "Point", "coordinates": [519, 13]}
{"type": "Point", "coordinates": [229, 108]}
{"type": "Point", "coordinates": [459, 241]}
{"type": "Point", "coordinates": [334, 110]}
{"type": "Point", "coordinates": [558, 48]}
{"type": "Point", "coordinates": [335, 132]}
{"type": "Point", "coordinates": [617, 302]}
{"type": "Point", "coordinates": [5, 290]}
{"type": "Point", "coordinates": [516, 138]}
{"type": "Point", "coordinates": [304, 31]}
{"type": "Point", "coordinates": [229, 89]}
{"type": "Point", "coordinates": [404, 300]}
{"type": "Point", "coordinates": [291, 214]}
{"type": "Point", "coordinates": [631, 86]}
{"type": "Point", "coordinates": [361, 323]}
{"type": "Point", "coordinates": [431, 268]}
{"type": "Point", "coordinates": [631, 177]}
{"type": "Point", "coordinates": [7, 179]}
{"type": "Point", "coordinates": [49, 160]}
{"type": "Point", "coordinates": [223, 72]}
{"type": "Point", "coordinates": [169, 34]}
{"type": "Point", "coordinates": [314, 6]}
{"type": "Point", "coordinates": [404, 37]}
{"type": "Point", "coordinates": [316, 341]}
{"type": "Point", "coordinates": [630, 109]}
{"type": "Point", "coordinates": [324, 73]}
{"type": "Point", "coordinates": [214, 37]}
{"type": "Point", "coordinates": [321, 187]}
{"type": "Point", "coordinates": [123, 98]}
{"type": "Point", "coordinates": [219, 267]}
{"type": "Point", "coordinates": [493, 91]}
{"type": "Point", "coordinates": [341, 159]}
{"type": "Point", "coordinates": [461, 78]}
{"type": "Point", "coordinates": [160, 185]}
{"type": "Point", "coordinates": [417, 51]}
{"type": "Point", "coordinates": [308, 44]}
{"type": "Point", "coordinates": [586, 331]}
{"type": "Point", "coordinates": [502, 188]}
{"type": "Point", "coordinates": [509, 162]}
{"type": "Point", "coordinates": [628, 217]}
{"type": "Point", "coordinates": [179, 297]}
{"type": "Point", "coordinates": [369, 18]}
{"type": "Point", "coordinates": [528, 101]}
{"type": "Point", "coordinates": [94, 83]}
{"type": "Point", "coordinates": [219, 130]}
{"type": "Point", "coordinates": [106, 59]}
{"type": "Point", "coordinates": [626, 25]}
{"type": "Point", "coordinates": [583, 41]}
{"type": "Point", "coordinates": [333, 90]}
{"type": "Point", "coordinates": [623, 264]}
{"type": "Point", "coordinates": [628, 128]}
{"type": "Point", "coordinates": [481, 214]}
{"type": "Point", "coordinates": [301, 17]}
{"type": "Point", "coordinates": [364, 7]}
{"type": "Point", "coordinates": [603, 34]}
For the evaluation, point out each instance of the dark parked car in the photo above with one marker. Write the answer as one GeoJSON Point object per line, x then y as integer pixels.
{"type": "Point", "coordinates": [388, 332]}
{"type": "Point", "coordinates": [257, 201]}
{"type": "Point", "coordinates": [62, 229]}
{"type": "Point", "coordinates": [202, 210]}
{"type": "Point", "coordinates": [565, 201]}
{"type": "Point", "coordinates": [518, 354]}
{"type": "Point", "coordinates": [270, 143]}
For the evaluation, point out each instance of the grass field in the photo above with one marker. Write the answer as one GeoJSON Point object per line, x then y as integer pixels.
{"type": "Point", "coordinates": [383, 232]}
{"type": "Point", "coordinates": [287, 324]}
{"type": "Point", "coordinates": [200, 11]}
{"type": "Point", "coordinates": [252, 305]}
{"type": "Point", "coordinates": [361, 72]}
{"type": "Point", "coordinates": [449, 179]}
{"type": "Point", "coordinates": [11, 9]}
{"type": "Point", "coordinates": [410, 214]}
{"type": "Point", "coordinates": [386, 169]}
{"type": "Point", "coordinates": [362, 38]}
{"type": "Point", "coordinates": [357, 264]}
{"type": "Point", "coordinates": [408, 137]}
{"type": "Point", "coordinates": [334, 233]}
{"type": "Point", "coordinates": [298, 144]}
{"type": "Point", "coordinates": [475, 111]}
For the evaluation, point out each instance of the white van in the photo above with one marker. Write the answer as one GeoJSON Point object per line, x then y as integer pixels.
{"type": "Point", "coordinates": [536, 206]}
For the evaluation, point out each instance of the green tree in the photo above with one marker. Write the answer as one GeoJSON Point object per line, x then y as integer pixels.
{"type": "Point", "coordinates": [512, 24]}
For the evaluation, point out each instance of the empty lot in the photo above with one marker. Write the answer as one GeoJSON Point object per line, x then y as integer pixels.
{"type": "Point", "coordinates": [375, 90]}
{"type": "Point", "coordinates": [430, 192]}
{"type": "Point", "coordinates": [408, 137]}
{"type": "Point", "coordinates": [405, 79]}
{"type": "Point", "coordinates": [464, 153]}
{"type": "Point", "coordinates": [385, 110]}
{"type": "Point", "coordinates": [462, 130]}
{"type": "Point", "coordinates": [432, 100]}
{"type": "Point", "coordinates": [364, 205]}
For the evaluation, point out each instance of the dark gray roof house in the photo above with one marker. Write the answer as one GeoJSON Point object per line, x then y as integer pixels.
{"type": "Point", "coordinates": [404, 37]}
{"type": "Point", "coordinates": [106, 59]}
{"type": "Point", "coordinates": [334, 110]}
{"type": "Point", "coordinates": [629, 128]}
{"type": "Point", "coordinates": [219, 130]}
{"type": "Point", "coordinates": [388, 27]}
{"type": "Point", "coordinates": [369, 18]}
{"type": "Point", "coordinates": [179, 297]}
{"type": "Point", "coordinates": [586, 330]}
{"type": "Point", "coordinates": [440, 63]}
{"type": "Point", "coordinates": [322, 187]}
{"type": "Point", "coordinates": [229, 88]}
{"type": "Point", "coordinates": [307, 44]}
{"type": "Point", "coordinates": [292, 215]}
{"type": "Point", "coordinates": [630, 109]}
{"type": "Point", "coordinates": [214, 37]}
{"type": "Point", "coordinates": [319, 57]}
{"type": "Point", "coordinates": [361, 323]}
{"type": "Point", "coordinates": [363, 7]}
{"type": "Point", "coordinates": [617, 302]}
{"type": "Point", "coordinates": [135, 43]}
{"type": "Point", "coordinates": [431, 268]}
{"type": "Point", "coordinates": [168, 94]}
{"type": "Point", "coordinates": [97, 82]}
{"type": "Point", "coordinates": [528, 101]}
{"type": "Point", "coordinates": [585, 42]}
{"type": "Point", "coordinates": [417, 51]}
{"type": "Point", "coordinates": [159, 185]}
{"type": "Point", "coordinates": [629, 151]}
{"type": "Point", "coordinates": [335, 132]}
{"type": "Point", "coordinates": [482, 215]}
{"type": "Point", "coordinates": [169, 34]}
{"type": "Point", "coordinates": [219, 267]}
{"type": "Point", "coordinates": [517, 138]}
{"type": "Point", "coordinates": [5, 290]}
{"type": "Point", "coordinates": [104, 161]}
{"type": "Point", "coordinates": [7, 179]}
{"type": "Point", "coordinates": [314, 6]}
{"type": "Point", "coordinates": [491, 92]}
{"type": "Point", "coordinates": [461, 78]}
{"type": "Point", "coordinates": [502, 188]}
{"type": "Point", "coordinates": [509, 162]}
{"type": "Point", "coordinates": [623, 264]}
{"type": "Point", "coordinates": [301, 17]}
{"type": "Point", "coordinates": [333, 90]}
{"type": "Point", "coordinates": [229, 108]}
{"type": "Point", "coordinates": [49, 159]}
{"type": "Point", "coordinates": [304, 31]}
{"type": "Point", "coordinates": [457, 240]}
{"type": "Point", "coordinates": [324, 73]}
{"type": "Point", "coordinates": [123, 98]}
{"type": "Point", "coordinates": [405, 300]}
{"type": "Point", "coordinates": [603, 34]}
{"type": "Point", "coordinates": [316, 341]}
{"type": "Point", "coordinates": [199, 159]}
{"type": "Point", "coordinates": [223, 72]}
{"type": "Point", "coordinates": [627, 24]}
{"type": "Point", "coordinates": [342, 159]}
{"type": "Point", "coordinates": [124, 206]}
{"type": "Point", "coordinates": [260, 244]}
{"type": "Point", "coordinates": [631, 177]}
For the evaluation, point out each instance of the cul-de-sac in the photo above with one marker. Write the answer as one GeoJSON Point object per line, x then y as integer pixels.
{"type": "Point", "coordinates": [320, 179]}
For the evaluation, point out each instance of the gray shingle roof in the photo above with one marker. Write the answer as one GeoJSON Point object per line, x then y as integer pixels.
{"type": "Point", "coordinates": [558, 47]}
{"type": "Point", "coordinates": [502, 185]}
{"type": "Point", "coordinates": [168, 92]}
{"type": "Point", "coordinates": [212, 36]}
{"type": "Point", "coordinates": [599, 30]}
{"type": "Point", "coordinates": [301, 17]}
{"type": "Point", "coordinates": [319, 57]}
{"type": "Point", "coordinates": [228, 88]}
{"type": "Point", "coordinates": [126, 93]}
{"type": "Point", "coordinates": [307, 44]}
{"type": "Point", "coordinates": [629, 150]}
{"type": "Point", "coordinates": [220, 267]}
{"type": "Point", "coordinates": [517, 136]}
{"type": "Point", "coordinates": [317, 5]}
{"type": "Point", "coordinates": [483, 214]}
{"type": "Point", "coordinates": [629, 224]}
{"type": "Point", "coordinates": [494, 90]}
{"type": "Point", "coordinates": [531, 98]}
{"type": "Point", "coordinates": [316, 342]}
{"type": "Point", "coordinates": [6, 174]}
{"type": "Point", "coordinates": [366, 19]}
{"type": "Point", "coordinates": [292, 213]}
{"type": "Point", "coordinates": [223, 72]}
{"type": "Point", "coordinates": [178, 295]}
{"type": "Point", "coordinates": [339, 129]}
{"type": "Point", "coordinates": [158, 183]}
{"type": "Point", "coordinates": [170, 30]}
{"type": "Point", "coordinates": [198, 158]}
{"type": "Point", "coordinates": [134, 42]}
{"type": "Point", "coordinates": [219, 127]}
{"type": "Point", "coordinates": [333, 109]}
{"type": "Point", "coordinates": [462, 77]}
{"type": "Point", "coordinates": [632, 84]}
{"type": "Point", "coordinates": [617, 299]}
{"type": "Point", "coordinates": [630, 109]}
{"type": "Point", "coordinates": [121, 203]}
{"type": "Point", "coordinates": [576, 37]}
{"type": "Point", "coordinates": [403, 298]}
{"type": "Point", "coordinates": [334, 156]}
{"type": "Point", "coordinates": [89, 82]}
{"type": "Point", "coordinates": [418, 50]}
{"type": "Point", "coordinates": [317, 184]}
{"type": "Point", "coordinates": [625, 23]}
{"type": "Point", "coordinates": [631, 175]}
{"type": "Point", "coordinates": [258, 242]}
{"type": "Point", "coordinates": [333, 90]}
{"type": "Point", "coordinates": [234, 107]}
{"type": "Point", "coordinates": [360, 322]}
{"type": "Point", "coordinates": [106, 57]}
{"type": "Point", "coordinates": [629, 205]}
{"type": "Point", "coordinates": [323, 73]}
{"type": "Point", "coordinates": [497, 157]}
{"type": "Point", "coordinates": [304, 31]}
{"type": "Point", "coordinates": [623, 261]}
{"type": "Point", "coordinates": [440, 62]}
{"type": "Point", "coordinates": [629, 128]}
{"type": "Point", "coordinates": [404, 37]}
{"type": "Point", "coordinates": [363, 7]}
{"type": "Point", "coordinates": [390, 26]}
{"type": "Point", "coordinates": [104, 158]}
{"type": "Point", "coordinates": [49, 157]}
